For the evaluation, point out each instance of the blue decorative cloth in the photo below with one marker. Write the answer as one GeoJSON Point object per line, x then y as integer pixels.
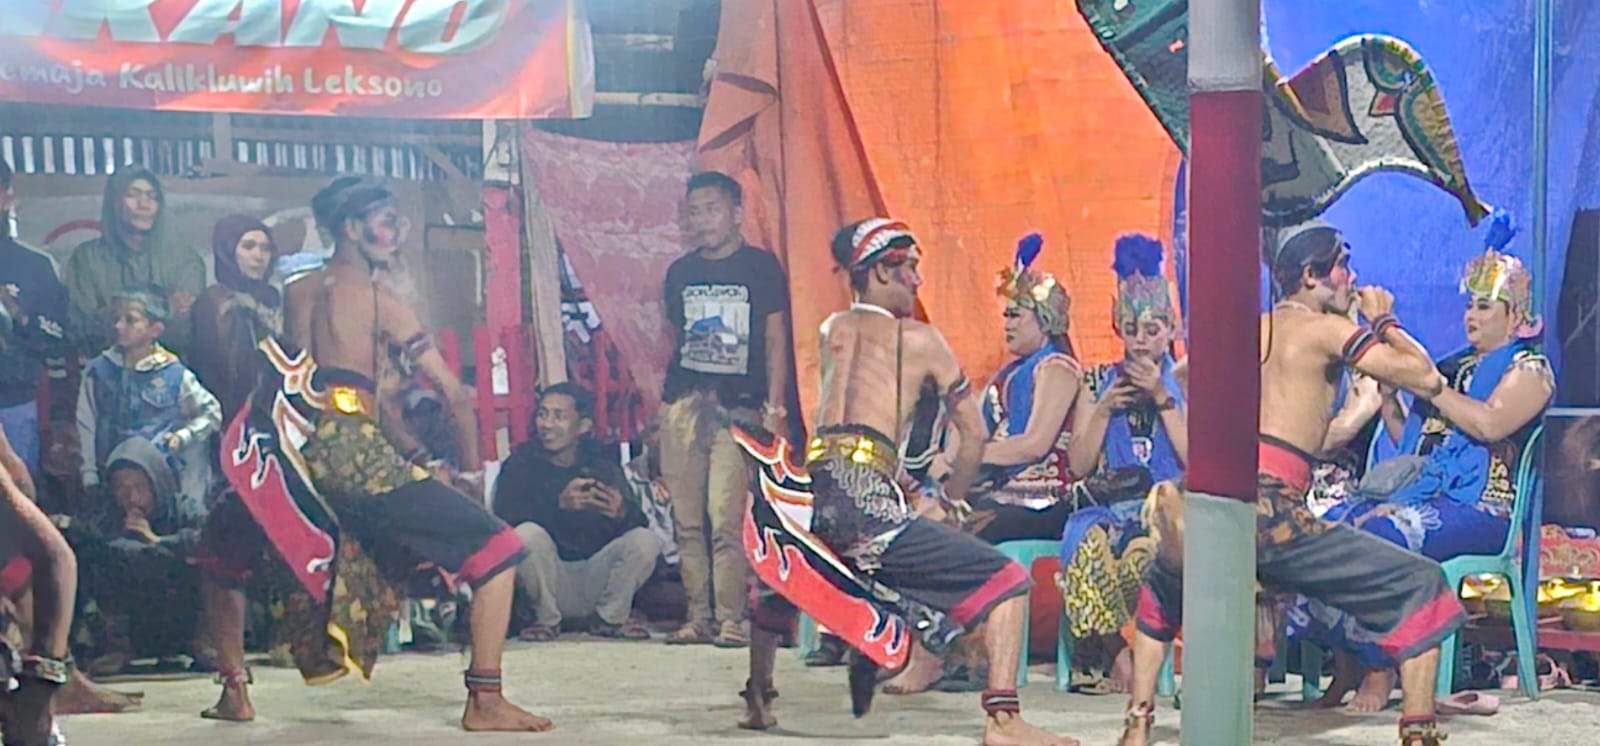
{"type": "Point", "coordinates": [1157, 455]}
{"type": "Point", "coordinates": [1458, 468]}
{"type": "Point", "coordinates": [1008, 405]}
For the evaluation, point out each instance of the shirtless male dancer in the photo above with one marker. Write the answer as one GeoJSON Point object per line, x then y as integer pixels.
{"type": "Point", "coordinates": [1399, 597]}
{"type": "Point", "coordinates": [386, 502]}
{"type": "Point", "coordinates": [41, 577]}
{"type": "Point", "coordinates": [232, 542]}
{"type": "Point", "coordinates": [871, 353]}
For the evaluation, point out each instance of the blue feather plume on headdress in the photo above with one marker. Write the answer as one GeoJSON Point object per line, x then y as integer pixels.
{"type": "Point", "coordinates": [1028, 248]}
{"type": "Point", "coordinates": [1137, 253]}
{"type": "Point", "coordinates": [1501, 231]}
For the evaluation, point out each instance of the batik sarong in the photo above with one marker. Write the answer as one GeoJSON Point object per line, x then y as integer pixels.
{"type": "Point", "coordinates": [866, 569]}
{"type": "Point", "coordinates": [1399, 598]}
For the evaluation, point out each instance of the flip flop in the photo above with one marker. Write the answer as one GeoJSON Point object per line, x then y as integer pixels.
{"type": "Point", "coordinates": [690, 634]}
{"type": "Point", "coordinates": [1469, 703]}
{"type": "Point", "coordinates": [539, 634]}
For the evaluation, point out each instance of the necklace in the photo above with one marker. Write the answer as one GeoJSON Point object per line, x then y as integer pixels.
{"type": "Point", "coordinates": [1294, 304]}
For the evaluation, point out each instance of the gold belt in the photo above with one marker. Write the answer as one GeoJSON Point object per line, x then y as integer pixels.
{"type": "Point", "coordinates": [347, 400]}
{"type": "Point", "coordinates": [859, 449]}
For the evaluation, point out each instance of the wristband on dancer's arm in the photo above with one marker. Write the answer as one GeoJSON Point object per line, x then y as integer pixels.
{"type": "Point", "coordinates": [1384, 324]}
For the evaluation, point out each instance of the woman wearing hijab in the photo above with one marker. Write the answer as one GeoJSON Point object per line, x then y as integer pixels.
{"type": "Point", "coordinates": [237, 312]}
{"type": "Point", "coordinates": [230, 318]}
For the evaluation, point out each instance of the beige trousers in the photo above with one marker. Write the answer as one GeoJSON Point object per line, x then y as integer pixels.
{"type": "Point", "coordinates": [708, 478]}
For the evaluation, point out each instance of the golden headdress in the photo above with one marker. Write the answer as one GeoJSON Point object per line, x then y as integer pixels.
{"type": "Point", "coordinates": [1500, 276]}
{"type": "Point", "coordinates": [1036, 291]}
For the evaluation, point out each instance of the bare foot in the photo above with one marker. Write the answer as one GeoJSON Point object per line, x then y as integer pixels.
{"type": "Point", "coordinates": [490, 711]}
{"type": "Point", "coordinates": [1373, 695]}
{"type": "Point", "coordinates": [80, 696]}
{"type": "Point", "coordinates": [233, 706]}
{"type": "Point", "coordinates": [1002, 729]}
{"type": "Point", "coordinates": [919, 674]}
{"type": "Point", "coordinates": [1135, 734]}
{"type": "Point", "coordinates": [758, 709]}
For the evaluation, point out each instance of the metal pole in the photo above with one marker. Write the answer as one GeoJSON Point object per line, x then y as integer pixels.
{"type": "Point", "coordinates": [1225, 100]}
{"type": "Point", "coordinates": [1543, 31]}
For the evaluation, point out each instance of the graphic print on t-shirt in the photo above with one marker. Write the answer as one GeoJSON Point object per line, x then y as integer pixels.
{"type": "Point", "coordinates": [716, 329]}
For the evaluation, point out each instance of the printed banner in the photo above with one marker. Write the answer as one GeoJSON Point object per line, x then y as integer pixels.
{"type": "Point", "coordinates": [416, 59]}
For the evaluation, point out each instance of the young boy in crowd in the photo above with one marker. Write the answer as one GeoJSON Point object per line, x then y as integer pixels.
{"type": "Point", "coordinates": [144, 424]}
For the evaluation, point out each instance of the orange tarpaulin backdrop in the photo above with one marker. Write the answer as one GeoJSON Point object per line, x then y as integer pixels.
{"type": "Point", "coordinates": [974, 121]}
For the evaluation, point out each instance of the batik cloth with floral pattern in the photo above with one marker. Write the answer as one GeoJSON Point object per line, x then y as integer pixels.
{"type": "Point", "coordinates": [1105, 551]}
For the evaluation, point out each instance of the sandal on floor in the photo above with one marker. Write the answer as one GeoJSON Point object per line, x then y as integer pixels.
{"type": "Point", "coordinates": [539, 633]}
{"type": "Point", "coordinates": [732, 635]}
{"type": "Point", "coordinates": [690, 634]}
{"type": "Point", "coordinates": [1469, 703]}
{"type": "Point", "coordinates": [1100, 688]}
{"type": "Point", "coordinates": [633, 630]}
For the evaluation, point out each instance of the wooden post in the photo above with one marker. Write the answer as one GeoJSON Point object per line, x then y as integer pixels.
{"type": "Point", "coordinates": [544, 292]}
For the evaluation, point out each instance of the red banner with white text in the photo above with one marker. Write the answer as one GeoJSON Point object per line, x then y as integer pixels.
{"type": "Point", "coordinates": [414, 59]}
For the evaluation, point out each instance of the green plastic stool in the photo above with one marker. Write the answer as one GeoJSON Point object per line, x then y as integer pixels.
{"type": "Point", "coordinates": [1025, 553]}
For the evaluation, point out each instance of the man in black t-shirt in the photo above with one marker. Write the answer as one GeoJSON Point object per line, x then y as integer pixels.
{"type": "Point", "coordinates": [589, 549]}
{"type": "Point", "coordinates": [728, 304]}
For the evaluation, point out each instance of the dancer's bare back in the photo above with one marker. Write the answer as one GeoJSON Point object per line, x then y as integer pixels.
{"type": "Point", "coordinates": [863, 353]}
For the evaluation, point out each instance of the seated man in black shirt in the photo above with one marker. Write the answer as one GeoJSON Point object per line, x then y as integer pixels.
{"type": "Point", "coordinates": [589, 547]}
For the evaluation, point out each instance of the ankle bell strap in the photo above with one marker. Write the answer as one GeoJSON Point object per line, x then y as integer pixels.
{"type": "Point", "coordinates": [240, 677]}
{"type": "Point", "coordinates": [1143, 713]}
{"type": "Point", "coordinates": [1420, 731]}
{"type": "Point", "coordinates": [1001, 700]}
{"type": "Point", "coordinates": [48, 670]}
{"type": "Point", "coordinates": [483, 681]}
{"type": "Point", "coordinates": [768, 694]}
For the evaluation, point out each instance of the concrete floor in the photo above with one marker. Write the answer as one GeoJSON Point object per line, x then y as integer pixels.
{"type": "Point", "coordinates": [603, 693]}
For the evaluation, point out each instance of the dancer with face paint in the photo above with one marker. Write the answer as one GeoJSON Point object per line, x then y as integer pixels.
{"type": "Point", "coordinates": [1470, 439]}
{"type": "Point", "coordinates": [1399, 598]}
{"type": "Point", "coordinates": [388, 511]}
{"type": "Point", "coordinates": [873, 353]}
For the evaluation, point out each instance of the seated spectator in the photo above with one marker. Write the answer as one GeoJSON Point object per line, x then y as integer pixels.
{"type": "Point", "coordinates": [1131, 421]}
{"type": "Point", "coordinates": [144, 422]}
{"type": "Point", "coordinates": [590, 549]}
{"type": "Point", "coordinates": [1450, 492]}
{"type": "Point", "coordinates": [1026, 491]}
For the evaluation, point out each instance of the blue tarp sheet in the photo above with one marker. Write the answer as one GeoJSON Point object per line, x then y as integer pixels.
{"type": "Point", "coordinates": [1410, 236]}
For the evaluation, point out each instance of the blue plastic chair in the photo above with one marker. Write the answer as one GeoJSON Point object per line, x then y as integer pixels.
{"type": "Point", "coordinates": [1518, 563]}
{"type": "Point", "coordinates": [1025, 553]}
